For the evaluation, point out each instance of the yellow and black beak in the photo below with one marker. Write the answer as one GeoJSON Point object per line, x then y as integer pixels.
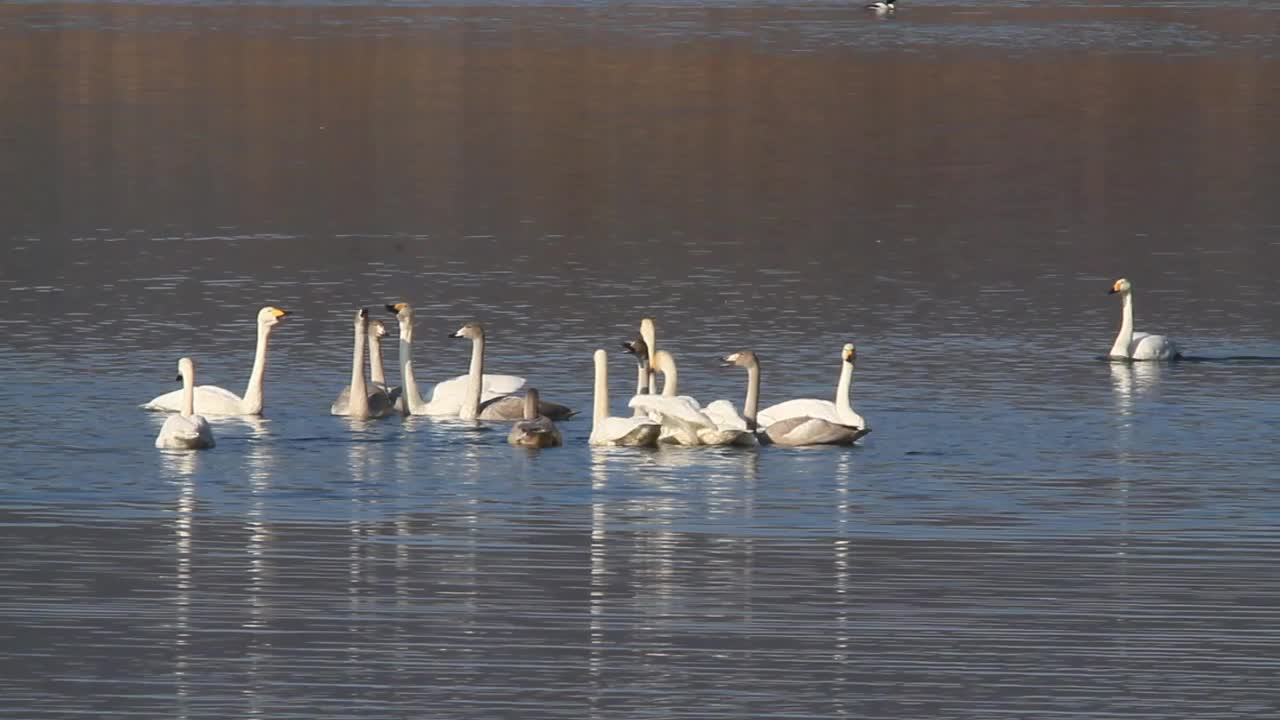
{"type": "Point", "coordinates": [395, 308]}
{"type": "Point", "coordinates": [179, 378]}
{"type": "Point", "coordinates": [1113, 290]}
{"type": "Point", "coordinates": [278, 312]}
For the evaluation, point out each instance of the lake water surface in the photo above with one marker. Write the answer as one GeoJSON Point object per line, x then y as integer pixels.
{"type": "Point", "coordinates": [1029, 532]}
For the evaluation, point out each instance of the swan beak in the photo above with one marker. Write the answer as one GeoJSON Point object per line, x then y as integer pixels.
{"type": "Point", "coordinates": [396, 308]}
{"type": "Point", "coordinates": [179, 378]}
{"type": "Point", "coordinates": [454, 335]}
{"type": "Point", "coordinates": [1112, 291]}
{"type": "Point", "coordinates": [278, 312]}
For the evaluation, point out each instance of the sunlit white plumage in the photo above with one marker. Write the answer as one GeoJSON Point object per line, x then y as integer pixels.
{"type": "Point", "coordinates": [1130, 345]}
{"type": "Point", "coordinates": [447, 396]}
{"type": "Point", "coordinates": [186, 430]}
{"type": "Point", "coordinates": [503, 407]}
{"type": "Point", "coordinates": [611, 430]}
{"type": "Point", "coordinates": [794, 431]}
{"type": "Point", "coordinates": [683, 420]}
{"type": "Point", "coordinates": [214, 400]}
{"type": "Point", "coordinates": [840, 412]}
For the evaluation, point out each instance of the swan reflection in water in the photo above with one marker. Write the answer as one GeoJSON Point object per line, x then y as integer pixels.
{"type": "Point", "coordinates": [182, 468]}
{"type": "Point", "coordinates": [1130, 382]}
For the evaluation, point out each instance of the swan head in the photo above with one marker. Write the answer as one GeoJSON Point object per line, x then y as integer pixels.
{"type": "Point", "coordinates": [377, 330]}
{"type": "Point", "coordinates": [401, 310]}
{"type": "Point", "coordinates": [742, 358]}
{"type": "Point", "coordinates": [472, 331]}
{"type": "Point", "coordinates": [639, 348]}
{"type": "Point", "coordinates": [1120, 286]}
{"type": "Point", "coordinates": [186, 368]}
{"type": "Point", "coordinates": [269, 316]}
{"type": "Point", "coordinates": [362, 319]}
{"type": "Point", "coordinates": [849, 353]}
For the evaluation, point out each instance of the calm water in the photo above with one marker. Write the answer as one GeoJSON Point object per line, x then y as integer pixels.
{"type": "Point", "coordinates": [1029, 532]}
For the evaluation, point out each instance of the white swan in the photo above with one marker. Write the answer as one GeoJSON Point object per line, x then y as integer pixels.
{"type": "Point", "coordinates": [213, 400]}
{"type": "Point", "coordinates": [1130, 345]}
{"type": "Point", "coordinates": [683, 420]}
{"type": "Point", "coordinates": [359, 399]}
{"type": "Point", "coordinates": [794, 431]}
{"type": "Point", "coordinates": [535, 430]}
{"type": "Point", "coordinates": [377, 373]}
{"type": "Point", "coordinates": [839, 412]}
{"type": "Point", "coordinates": [649, 334]}
{"type": "Point", "coordinates": [186, 431]}
{"type": "Point", "coordinates": [503, 407]}
{"type": "Point", "coordinates": [606, 430]}
{"type": "Point", "coordinates": [447, 395]}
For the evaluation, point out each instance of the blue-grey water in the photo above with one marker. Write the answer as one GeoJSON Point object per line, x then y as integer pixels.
{"type": "Point", "coordinates": [1029, 532]}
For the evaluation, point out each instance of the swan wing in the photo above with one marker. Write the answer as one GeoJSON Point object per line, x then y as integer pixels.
{"type": "Point", "coordinates": [724, 415]}
{"type": "Point", "coordinates": [1146, 346]}
{"type": "Point", "coordinates": [342, 404]}
{"type": "Point", "coordinates": [803, 407]}
{"type": "Point", "coordinates": [800, 431]}
{"type": "Point", "coordinates": [182, 432]}
{"type": "Point", "coordinates": [210, 400]}
{"type": "Point", "coordinates": [625, 431]}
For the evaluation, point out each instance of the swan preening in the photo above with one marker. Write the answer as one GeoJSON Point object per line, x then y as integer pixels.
{"type": "Point", "coordinates": [186, 430]}
{"type": "Point", "coordinates": [1130, 345]}
{"type": "Point", "coordinates": [213, 400]}
{"type": "Point", "coordinates": [535, 430]}
{"type": "Point", "coordinates": [361, 400]}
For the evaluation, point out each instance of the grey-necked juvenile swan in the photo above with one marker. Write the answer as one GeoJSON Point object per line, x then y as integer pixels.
{"type": "Point", "coordinates": [795, 431]}
{"type": "Point", "coordinates": [607, 430]}
{"type": "Point", "coordinates": [1130, 345]}
{"type": "Point", "coordinates": [535, 430]}
{"type": "Point", "coordinates": [447, 395]}
{"type": "Point", "coordinates": [360, 399]}
{"type": "Point", "coordinates": [214, 400]}
{"type": "Point", "coordinates": [839, 412]}
{"type": "Point", "coordinates": [186, 431]}
{"type": "Point", "coordinates": [505, 407]}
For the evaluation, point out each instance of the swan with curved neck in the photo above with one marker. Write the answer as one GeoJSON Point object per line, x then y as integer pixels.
{"type": "Point", "coordinates": [359, 399]}
{"type": "Point", "coordinates": [839, 412]}
{"type": "Point", "coordinates": [684, 422]}
{"type": "Point", "coordinates": [1130, 345]}
{"type": "Point", "coordinates": [649, 334]}
{"type": "Point", "coordinates": [535, 430]}
{"type": "Point", "coordinates": [447, 395]}
{"type": "Point", "coordinates": [475, 406]}
{"type": "Point", "coordinates": [606, 430]}
{"type": "Point", "coordinates": [795, 431]}
{"type": "Point", "coordinates": [214, 400]}
{"type": "Point", "coordinates": [186, 430]}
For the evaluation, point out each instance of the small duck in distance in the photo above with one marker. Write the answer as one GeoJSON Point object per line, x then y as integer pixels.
{"type": "Point", "coordinates": [881, 8]}
{"type": "Point", "coordinates": [536, 430]}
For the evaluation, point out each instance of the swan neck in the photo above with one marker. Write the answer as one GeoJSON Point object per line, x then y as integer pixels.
{"type": "Point", "coordinates": [252, 402]}
{"type": "Point", "coordinates": [188, 394]}
{"type": "Point", "coordinates": [752, 403]}
{"type": "Point", "coordinates": [600, 397]}
{"type": "Point", "coordinates": [642, 378]}
{"type": "Point", "coordinates": [649, 333]}
{"type": "Point", "coordinates": [377, 373]}
{"type": "Point", "coordinates": [843, 406]}
{"type": "Point", "coordinates": [1125, 337]}
{"type": "Point", "coordinates": [471, 401]}
{"type": "Point", "coordinates": [358, 401]}
{"type": "Point", "coordinates": [670, 376]}
{"type": "Point", "coordinates": [413, 400]}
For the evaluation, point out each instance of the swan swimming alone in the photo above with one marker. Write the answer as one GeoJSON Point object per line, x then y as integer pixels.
{"type": "Point", "coordinates": [214, 400]}
{"type": "Point", "coordinates": [607, 430]}
{"type": "Point", "coordinates": [535, 430]}
{"type": "Point", "coordinates": [839, 412]}
{"type": "Point", "coordinates": [795, 431]}
{"type": "Point", "coordinates": [361, 400]}
{"type": "Point", "coordinates": [1130, 345]}
{"type": "Point", "coordinates": [504, 407]}
{"type": "Point", "coordinates": [683, 420]}
{"type": "Point", "coordinates": [447, 395]}
{"type": "Point", "coordinates": [186, 430]}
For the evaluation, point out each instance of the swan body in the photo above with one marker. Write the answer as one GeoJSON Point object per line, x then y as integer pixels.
{"type": "Point", "coordinates": [608, 430]}
{"type": "Point", "coordinates": [446, 396]}
{"type": "Point", "coordinates": [881, 8]}
{"type": "Point", "coordinates": [839, 412]}
{"type": "Point", "coordinates": [535, 430]}
{"type": "Point", "coordinates": [360, 399]}
{"type": "Point", "coordinates": [186, 430]}
{"type": "Point", "coordinates": [504, 407]}
{"type": "Point", "coordinates": [376, 389]}
{"type": "Point", "coordinates": [1130, 345]}
{"type": "Point", "coordinates": [682, 418]}
{"type": "Point", "coordinates": [794, 431]}
{"type": "Point", "coordinates": [214, 400]}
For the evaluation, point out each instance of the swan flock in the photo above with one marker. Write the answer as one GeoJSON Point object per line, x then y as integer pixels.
{"type": "Point", "coordinates": [659, 417]}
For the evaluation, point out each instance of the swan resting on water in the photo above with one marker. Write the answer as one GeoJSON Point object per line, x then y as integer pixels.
{"type": "Point", "coordinates": [361, 400]}
{"type": "Point", "coordinates": [503, 407]}
{"type": "Point", "coordinates": [1130, 345]}
{"type": "Point", "coordinates": [535, 430]}
{"type": "Point", "coordinates": [612, 430]}
{"type": "Point", "coordinates": [683, 420]}
{"type": "Point", "coordinates": [793, 427]}
{"type": "Point", "coordinates": [839, 412]}
{"type": "Point", "coordinates": [186, 430]}
{"type": "Point", "coordinates": [214, 400]}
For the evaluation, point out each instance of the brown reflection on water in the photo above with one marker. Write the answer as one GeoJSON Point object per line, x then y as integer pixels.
{"type": "Point", "coordinates": [525, 122]}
